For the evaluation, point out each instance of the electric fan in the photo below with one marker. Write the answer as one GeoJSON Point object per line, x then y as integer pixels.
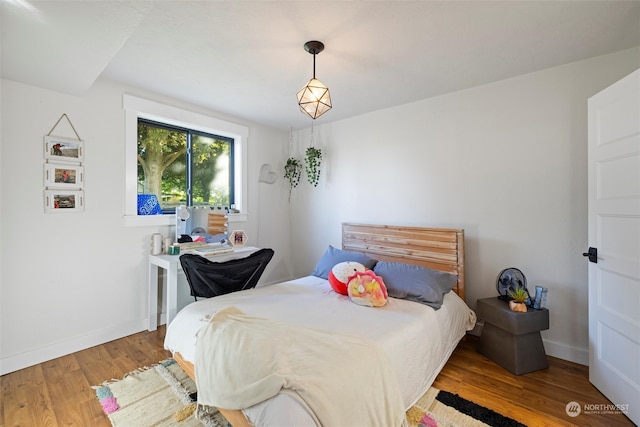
{"type": "Point", "coordinates": [508, 280]}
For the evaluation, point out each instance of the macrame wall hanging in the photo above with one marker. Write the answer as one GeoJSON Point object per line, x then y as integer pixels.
{"type": "Point", "coordinates": [312, 160]}
{"type": "Point", "coordinates": [63, 172]}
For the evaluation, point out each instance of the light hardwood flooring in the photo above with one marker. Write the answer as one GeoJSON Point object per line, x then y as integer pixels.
{"type": "Point", "coordinates": [535, 399]}
{"type": "Point", "coordinates": [59, 392]}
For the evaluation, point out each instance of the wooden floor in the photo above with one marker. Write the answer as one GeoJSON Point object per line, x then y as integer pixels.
{"type": "Point", "coordinates": [535, 399]}
{"type": "Point", "coordinates": [59, 393]}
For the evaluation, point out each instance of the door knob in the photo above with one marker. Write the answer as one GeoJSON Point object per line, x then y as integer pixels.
{"type": "Point", "coordinates": [592, 254]}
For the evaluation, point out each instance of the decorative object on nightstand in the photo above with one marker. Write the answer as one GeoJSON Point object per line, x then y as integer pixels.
{"type": "Point", "coordinates": [519, 298]}
{"type": "Point", "coordinates": [512, 339]}
{"type": "Point", "coordinates": [508, 280]}
{"type": "Point", "coordinates": [511, 285]}
{"type": "Point", "coordinates": [541, 298]}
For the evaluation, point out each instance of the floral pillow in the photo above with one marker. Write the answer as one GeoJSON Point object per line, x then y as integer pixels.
{"type": "Point", "coordinates": [365, 288]}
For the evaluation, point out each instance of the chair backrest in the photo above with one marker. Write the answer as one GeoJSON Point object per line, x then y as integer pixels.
{"type": "Point", "coordinates": [208, 279]}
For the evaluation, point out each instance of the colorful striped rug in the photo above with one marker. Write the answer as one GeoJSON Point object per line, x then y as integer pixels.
{"type": "Point", "coordinates": [438, 408]}
{"type": "Point", "coordinates": [164, 395]}
{"type": "Point", "coordinates": [157, 395]}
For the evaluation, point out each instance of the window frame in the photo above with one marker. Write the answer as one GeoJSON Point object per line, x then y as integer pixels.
{"type": "Point", "coordinates": [135, 108]}
{"type": "Point", "coordinates": [190, 134]}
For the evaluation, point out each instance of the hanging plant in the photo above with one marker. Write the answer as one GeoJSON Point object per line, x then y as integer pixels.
{"type": "Point", "coordinates": [292, 172]}
{"type": "Point", "coordinates": [312, 165]}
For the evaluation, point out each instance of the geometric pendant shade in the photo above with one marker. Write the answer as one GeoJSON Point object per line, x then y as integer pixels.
{"type": "Point", "coordinates": [314, 99]}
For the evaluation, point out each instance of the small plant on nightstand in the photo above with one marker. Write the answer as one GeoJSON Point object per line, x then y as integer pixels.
{"type": "Point", "coordinates": [518, 298]}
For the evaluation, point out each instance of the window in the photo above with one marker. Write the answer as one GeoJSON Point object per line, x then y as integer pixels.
{"type": "Point", "coordinates": [206, 133]}
{"type": "Point", "coordinates": [184, 167]}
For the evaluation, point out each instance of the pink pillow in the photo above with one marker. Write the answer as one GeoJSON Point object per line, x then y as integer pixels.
{"type": "Point", "coordinates": [340, 273]}
{"type": "Point", "coordinates": [365, 288]}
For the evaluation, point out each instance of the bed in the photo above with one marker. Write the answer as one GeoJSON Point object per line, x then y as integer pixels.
{"type": "Point", "coordinates": [417, 338]}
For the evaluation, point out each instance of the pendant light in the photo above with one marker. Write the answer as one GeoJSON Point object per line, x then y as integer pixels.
{"type": "Point", "coordinates": [314, 98]}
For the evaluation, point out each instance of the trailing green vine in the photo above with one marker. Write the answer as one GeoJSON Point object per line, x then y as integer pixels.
{"type": "Point", "coordinates": [312, 160]}
{"type": "Point", "coordinates": [292, 173]}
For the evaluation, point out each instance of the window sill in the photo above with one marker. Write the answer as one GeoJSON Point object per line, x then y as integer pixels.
{"type": "Point", "coordinates": [238, 217]}
{"type": "Point", "coordinates": [158, 220]}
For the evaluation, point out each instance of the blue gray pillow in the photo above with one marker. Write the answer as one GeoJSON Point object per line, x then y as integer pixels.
{"type": "Point", "coordinates": [415, 283]}
{"type": "Point", "coordinates": [333, 256]}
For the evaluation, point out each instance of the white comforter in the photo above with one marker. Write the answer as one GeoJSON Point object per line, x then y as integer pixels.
{"type": "Point", "coordinates": [417, 339]}
{"type": "Point", "coordinates": [344, 380]}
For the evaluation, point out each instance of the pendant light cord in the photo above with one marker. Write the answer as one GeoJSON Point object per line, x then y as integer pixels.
{"type": "Point", "coordinates": [314, 65]}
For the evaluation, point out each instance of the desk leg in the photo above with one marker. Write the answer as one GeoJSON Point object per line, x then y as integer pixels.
{"type": "Point", "coordinates": [153, 297]}
{"type": "Point", "coordinates": [172, 292]}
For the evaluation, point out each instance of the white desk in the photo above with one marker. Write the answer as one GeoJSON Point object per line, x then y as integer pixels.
{"type": "Point", "coordinates": [171, 265]}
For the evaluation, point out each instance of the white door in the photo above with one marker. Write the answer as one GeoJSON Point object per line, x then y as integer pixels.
{"type": "Point", "coordinates": [614, 230]}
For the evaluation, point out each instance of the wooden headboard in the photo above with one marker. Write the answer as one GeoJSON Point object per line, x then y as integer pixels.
{"type": "Point", "coordinates": [440, 249]}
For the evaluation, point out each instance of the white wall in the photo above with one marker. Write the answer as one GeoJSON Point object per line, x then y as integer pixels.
{"type": "Point", "coordinates": [507, 162]}
{"type": "Point", "coordinates": [70, 281]}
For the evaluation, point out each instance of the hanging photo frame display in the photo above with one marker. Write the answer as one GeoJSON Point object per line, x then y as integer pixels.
{"type": "Point", "coordinates": [63, 171]}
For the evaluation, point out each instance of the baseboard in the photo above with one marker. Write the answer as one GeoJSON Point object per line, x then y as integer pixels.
{"type": "Point", "coordinates": [42, 354]}
{"type": "Point", "coordinates": [566, 352]}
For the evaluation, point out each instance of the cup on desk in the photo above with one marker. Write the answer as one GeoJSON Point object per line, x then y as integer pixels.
{"type": "Point", "coordinates": [166, 244]}
{"type": "Point", "coordinates": [174, 249]}
{"type": "Point", "coordinates": [156, 244]}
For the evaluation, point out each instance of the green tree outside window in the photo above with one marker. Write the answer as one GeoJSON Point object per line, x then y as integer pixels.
{"type": "Point", "coordinates": [184, 167]}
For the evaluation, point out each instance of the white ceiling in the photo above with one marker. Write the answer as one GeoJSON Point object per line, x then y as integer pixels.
{"type": "Point", "coordinates": [246, 58]}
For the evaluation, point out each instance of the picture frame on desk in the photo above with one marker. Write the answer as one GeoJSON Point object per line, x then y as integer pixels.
{"type": "Point", "coordinates": [238, 238]}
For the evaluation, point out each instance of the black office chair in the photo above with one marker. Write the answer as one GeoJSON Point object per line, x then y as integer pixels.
{"type": "Point", "coordinates": [209, 279]}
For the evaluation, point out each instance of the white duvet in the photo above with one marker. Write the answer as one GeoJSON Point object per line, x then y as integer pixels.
{"type": "Point", "coordinates": [343, 380]}
{"type": "Point", "coordinates": [417, 339]}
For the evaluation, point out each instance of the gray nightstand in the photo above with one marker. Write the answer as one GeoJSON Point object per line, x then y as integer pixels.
{"type": "Point", "coordinates": [512, 339]}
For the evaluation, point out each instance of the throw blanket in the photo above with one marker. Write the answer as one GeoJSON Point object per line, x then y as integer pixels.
{"type": "Point", "coordinates": [343, 380]}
